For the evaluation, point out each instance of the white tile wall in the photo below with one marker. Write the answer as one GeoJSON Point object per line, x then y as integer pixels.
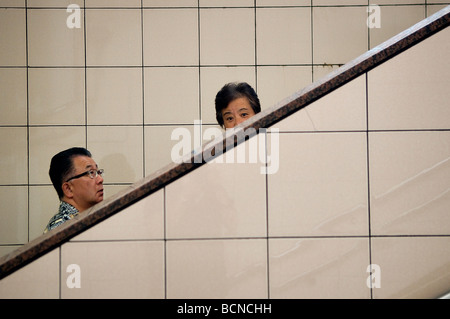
{"type": "Point", "coordinates": [103, 280]}
{"type": "Point", "coordinates": [341, 110]}
{"type": "Point", "coordinates": [113, 37]}
{"type": "Point", "coordinates": [121, 83]}
{"type": "Point", "coordinates": [283, 35]}
{"type": "Point", "coordinates": [339, 34]}
{"type": "Point", "coordinates": [227, 37]}
{"type": "Point", "coordinates": [56, 96]}
{"type": "Point", "coordinates": [218, 200]}
{"type": "Point", "coordinates": [50, 42]}
{"type": "Point", "coordinates": [235, 268]}
{"type": "Point", "coordinates": [38, 280]}
{"type": "Point", "coordinates": [399, 89]}
{"type": "Point", "coordinates": [409, 182]}
{"type": "Point", "coordinates": [318, 268]}
{"type": "Point", "coordinates": [331, 170]}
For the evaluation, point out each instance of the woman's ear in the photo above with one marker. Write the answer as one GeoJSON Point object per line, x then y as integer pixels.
{"type": "Point", "coordinates": [67, 190]}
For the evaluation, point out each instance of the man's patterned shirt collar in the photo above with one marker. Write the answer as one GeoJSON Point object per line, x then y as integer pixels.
{"type": "Point", "coordinates": [65, 213]}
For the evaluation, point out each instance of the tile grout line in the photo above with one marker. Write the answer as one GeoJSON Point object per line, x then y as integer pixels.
{"type": "Point", "coordinates": [312, 41]}
{"type": "Point", "coordinates": [165, 240]}
{"type": "Point", "coordinates": [199, 61]}
{"type": "Point", "coordinates": [28, 120]}
{"type": "Point", "coordinates": [368, 155]}
{"type": "Point", "coordinates": [143, 90]}
{"type": "Point", "coordinates": [369, 226]}
{"type": "Point", "coordinates": [85, 76]}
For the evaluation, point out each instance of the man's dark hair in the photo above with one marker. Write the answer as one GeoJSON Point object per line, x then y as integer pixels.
{"type": "Point", "coordinates": [61, 166]}
{"type": "Point", "coordinates": [231, 92]}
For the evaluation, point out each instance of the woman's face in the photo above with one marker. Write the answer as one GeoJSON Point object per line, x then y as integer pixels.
{"type": "Point", "coordinates": [237, 112]}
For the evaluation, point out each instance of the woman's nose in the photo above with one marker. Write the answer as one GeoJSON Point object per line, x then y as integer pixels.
{"type": "Point", "coordinates": [238, 120]}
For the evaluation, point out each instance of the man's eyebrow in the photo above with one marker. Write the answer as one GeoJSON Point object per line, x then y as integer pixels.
{"type": "Point", "coordinates": [90, 165]}
{"type": "Point", "coordinates": [227, 112]}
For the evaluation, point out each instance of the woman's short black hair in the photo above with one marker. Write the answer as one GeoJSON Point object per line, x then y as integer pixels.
{"type": "Point", "coordinates": [61, 166]}
{"type": "Point", "coordinates": [232, 91]}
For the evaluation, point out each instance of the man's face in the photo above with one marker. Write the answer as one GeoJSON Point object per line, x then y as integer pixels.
{"type": "Point", "coordinates": [86, 191]}
{"type": "Point", "coordinates": [237, 112]}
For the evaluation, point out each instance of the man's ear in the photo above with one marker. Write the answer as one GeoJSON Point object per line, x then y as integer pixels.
{"type": "Point", "coordinates": [67, 190]}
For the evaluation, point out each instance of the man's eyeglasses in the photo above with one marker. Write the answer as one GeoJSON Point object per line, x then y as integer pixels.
{"type": "Point", "coordinates": [92, 173]}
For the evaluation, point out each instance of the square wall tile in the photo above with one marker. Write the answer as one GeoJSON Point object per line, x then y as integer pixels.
{"type": "Point", "coordinates": [162, 141]}
{"type": "Point", "coordinates": [119, 151]}
{"type": "Point", "coordinates": [338, 2]}
{"type": "Point", "coordinates": [224, 269]}
{"type": "Point", "coordinates": [14, 215]}
{"type": "Point", "coordinates": [171, 37]}
{"type": "Point", "coordinates": [113, 3]}
{"type": "Point", "coordinates": [283, 2]}
{"type": "Point", "coordinates": [45, 142]}
{"type": "Point", "coordinates": [143, 220]}
{"type": "Point", "coordinates": [275, 83]}
{"type": "Point", "coordinates": [113, 37]}
{"type": "Point", "coordinates": [398, 1]}
{"type": "Point", "coordinates": [213, 79]}
{"type": "Point", "coordinates": [227, 36]}
{"type": "Point", "coordinates": [56, 96]}
{"type": "Point", "coordinates": [410, 91]}
{"type": "Point", "coordinates": [13, 90]}
{"type": "Point", "coordinates": [320, 188]}
{"type": "Point", "coordinates": [226, 3]}
{"type": "Point", "coordinates": [13, 155]}
{"type": "Point", "coordinates": [171, 95]}
{"type": "Point", "coordinates": [114, 96]}
{"type": "Point", "coordinates": [170, 3]}
{"type": "Point", "coordinates": [283, 35]}
{"type": "Point", "coordinates": [51, 42]}
{"type": "Point", "coordinates": [45, 204]}
{"type": "Point", "coordinates": [411, 267]}
{"type": "Point", "coordinates": [114, 269]}
{"type": "Point", "coordinates": [12, 37]}
{"type": "Point", "coordinates": [219, 200]}
{"type": "Point", "coordinates": [318, 268]}
{"type": "Point", "coordinates": [38, 280]}
{"type": "Point", "coordinates": [410, 182]}
{"type": "Point", "coordinates": [341, 110]}
{"type": "Point", "coordinates": [12, 3]}
{"type": "Point", "coordinates": [339, 34]}
{"type": "Point", "coordinates": [393, 20]}
{"type": "Point", "coordinates": [53, 3]}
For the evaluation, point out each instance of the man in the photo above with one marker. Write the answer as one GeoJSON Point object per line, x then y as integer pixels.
{"type": "Point", "coordinates": [235, 103]}
{"type": "Point", "coordinates": [78, 182]}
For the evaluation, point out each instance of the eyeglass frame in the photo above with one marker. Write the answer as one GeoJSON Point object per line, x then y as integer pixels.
{"type": "Point", "coordinates": [92, 176]}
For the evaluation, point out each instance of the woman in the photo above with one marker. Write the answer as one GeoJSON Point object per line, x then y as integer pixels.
{"type": "Point", "coordinates": [235, 103]}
